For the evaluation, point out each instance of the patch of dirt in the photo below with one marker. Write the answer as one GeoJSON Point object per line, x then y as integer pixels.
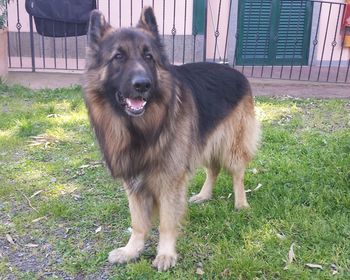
{"type": "Point", "coordinates": [261, 87]}
{"type": "Point", "coordinates": [35, 254]}
{"type": "Point", "coordinates": [23, 258]}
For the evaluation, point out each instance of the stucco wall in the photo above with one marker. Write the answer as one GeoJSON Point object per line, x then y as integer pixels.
{"type": "Point", "coordinates": [164, 11]}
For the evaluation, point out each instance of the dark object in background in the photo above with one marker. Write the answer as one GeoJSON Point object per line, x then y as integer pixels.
{"type": "Point", "coordinates": [61, 18]}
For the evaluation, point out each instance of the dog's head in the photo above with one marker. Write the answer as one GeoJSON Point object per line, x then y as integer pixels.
{"type": "Point", "coordinates": [127, 61]}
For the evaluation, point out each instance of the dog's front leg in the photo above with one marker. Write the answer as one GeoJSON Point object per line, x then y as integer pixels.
{"type": "Point", "coordinates": [172, 204]}
{"type": "Point", "coordinates": [141, 208]}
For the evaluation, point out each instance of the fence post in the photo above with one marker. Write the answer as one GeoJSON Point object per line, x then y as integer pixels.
{"type": "Point", "coordinates": [205, 30]}
{"type": "Point", "coordinates": [32, 42]}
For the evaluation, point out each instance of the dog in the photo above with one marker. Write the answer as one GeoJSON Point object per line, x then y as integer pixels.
{"type": "Point", "coordinates": [156, 123]}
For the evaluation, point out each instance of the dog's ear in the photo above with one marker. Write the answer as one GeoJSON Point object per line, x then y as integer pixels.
{"type": "Point", "coordinates": [98, 27]}
{"type": "Point", "coordinates": [148, 21]}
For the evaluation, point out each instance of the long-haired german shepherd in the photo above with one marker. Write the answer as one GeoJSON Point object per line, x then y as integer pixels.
{"type": "Point", "coordinates": [156, 122]}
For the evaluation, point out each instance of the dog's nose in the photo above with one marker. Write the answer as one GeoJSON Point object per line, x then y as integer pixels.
{"type": "Point", "coordinates": [141, 84]}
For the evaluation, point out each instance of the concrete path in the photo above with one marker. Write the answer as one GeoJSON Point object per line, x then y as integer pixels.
{"type": "Point", "coordinates": [40, 80]}
{"type": "Point", "coordinates": [261, 87]}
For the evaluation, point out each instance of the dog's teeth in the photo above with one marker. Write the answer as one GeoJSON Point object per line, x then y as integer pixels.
{"type": "Point", "coordinates": [130, 104]}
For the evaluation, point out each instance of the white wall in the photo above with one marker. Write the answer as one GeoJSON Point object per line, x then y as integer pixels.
{"type": "Point", "coordinates": [125, 12]}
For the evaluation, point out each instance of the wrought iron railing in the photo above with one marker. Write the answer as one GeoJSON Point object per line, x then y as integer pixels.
{"type": "Point", "coordinates": [282, 39]}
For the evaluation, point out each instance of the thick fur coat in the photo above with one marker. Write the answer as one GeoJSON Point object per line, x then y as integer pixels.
{"type": "Point", "coordinates": [156, 123]}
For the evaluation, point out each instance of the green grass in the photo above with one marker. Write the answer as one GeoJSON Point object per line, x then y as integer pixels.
{"type": "Point", "coordinates": [303, 165]}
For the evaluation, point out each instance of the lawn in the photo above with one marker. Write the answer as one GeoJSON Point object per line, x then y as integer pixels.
{"type": "Point", "coordinates": [61, 213]}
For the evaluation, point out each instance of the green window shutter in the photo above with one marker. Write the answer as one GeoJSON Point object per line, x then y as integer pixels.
{"type": "Point", "coordinates": [273, 32]}
{"type": "Point", "coordinates": [253, 31]}
{"type": "Point", "coordinates": [293, 26]}
{"type": "Point", "coordinates": [198, 17]}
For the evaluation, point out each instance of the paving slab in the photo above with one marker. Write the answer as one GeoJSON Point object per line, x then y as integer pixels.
{"type": "Point", "coordinates": [301, 89]}
{"type": "Point", "coordinates": [260, 87]}
{"type": "Point", "coordinates": [42, 80]}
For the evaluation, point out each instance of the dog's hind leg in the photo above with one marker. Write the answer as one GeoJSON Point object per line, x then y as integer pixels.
{"type": "Point", "coordinates": [207, 189]}
{"type": "Point", "coordinates": [141, 208]}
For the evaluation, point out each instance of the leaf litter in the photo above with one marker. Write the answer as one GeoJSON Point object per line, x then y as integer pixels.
{"type": "Point", "coordinates": [98, 229]}
{"type": "Point", "coordinates": [31, 245]}
{"type": "Point", "coordinates": [36, 193]}
{"type": "Point", "coordinates": [10, 239]}
{"type": "Point", "coordinates": [38, 219]}
{"type": "Point", "coordinates": [43, 139]}
{"type": "Point", "coordinates": [255, 189]}
{"type": "Point", "coordinates": [291, 256]}
{"type": "Point", "coordinates": [314, 266]}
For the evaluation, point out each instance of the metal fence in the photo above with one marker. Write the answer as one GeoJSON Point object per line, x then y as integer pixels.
{"type": "Point", "coordinates": [282, 39]}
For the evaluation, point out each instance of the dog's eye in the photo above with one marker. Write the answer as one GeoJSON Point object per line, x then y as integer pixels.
{"type": "Point", "coordinates": [148, 56]}
{"type": "Point", "coordinates": [119, 56]}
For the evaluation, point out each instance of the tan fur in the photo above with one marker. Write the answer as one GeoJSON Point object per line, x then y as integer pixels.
{"type": "Point", "coordinates": [231, 146]}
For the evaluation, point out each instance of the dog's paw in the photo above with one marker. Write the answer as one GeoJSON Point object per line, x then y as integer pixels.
{"type": "Point", "coordinates": [241, 206]}
{"type": "Point", "coordinates": [122, 255]}
{"type": "Point", "coordinates": [199, 198]}
{"type": "Point", "coordinates": [164, 262]}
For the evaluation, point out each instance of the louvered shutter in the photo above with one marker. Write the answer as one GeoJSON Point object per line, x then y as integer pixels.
{"type": "Point", "coordinates": [291, 39]}
{"type": "Point", "coordinates": [253, 31]}
{"type": "Point", "coordinates": [273, 32]}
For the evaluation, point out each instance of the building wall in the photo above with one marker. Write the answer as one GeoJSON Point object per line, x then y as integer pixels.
{"type": "Point", "coordinates": [175, 29]}
{"type": "Point", "coordinates": [191, 48]}
{"type": "Point", "coordinates": [328, 34]}
{"type": "Point", "coordinates": [129, 13]}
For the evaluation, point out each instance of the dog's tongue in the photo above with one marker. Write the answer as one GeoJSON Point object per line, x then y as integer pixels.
{"type": "Point", "coordinates": [135, 103]}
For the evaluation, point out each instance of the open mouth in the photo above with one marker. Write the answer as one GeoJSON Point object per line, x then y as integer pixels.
{"type": "Point", "coordinates": [133, 106]}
